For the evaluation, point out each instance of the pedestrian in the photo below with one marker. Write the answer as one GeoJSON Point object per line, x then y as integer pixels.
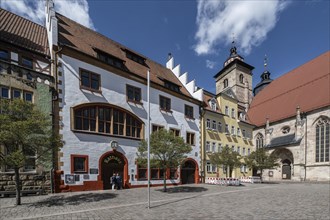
{"type": "Point", "coordinates": [113, 181]}
{"type": "Point", "coordinates": [118, 181]}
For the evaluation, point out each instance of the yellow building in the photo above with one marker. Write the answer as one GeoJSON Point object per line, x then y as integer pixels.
{"type": "Point", "coordinates": [223, 121]}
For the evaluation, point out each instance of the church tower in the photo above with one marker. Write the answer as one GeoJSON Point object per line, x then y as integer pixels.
{"type": "Point", "coordinates": [237, 76]}
{"type": "Point", "coordinates": [265, 79]}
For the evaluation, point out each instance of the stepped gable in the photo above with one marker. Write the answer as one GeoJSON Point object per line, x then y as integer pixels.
{"type": "Point", "coordinates": [17, 30]}
{"type": "Point", "coordinates": [307, 86]}
{"type": "Point", "coordinates": [86, 41]}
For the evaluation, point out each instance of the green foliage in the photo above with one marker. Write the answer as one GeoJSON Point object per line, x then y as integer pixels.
{"type": "Point", "coordinates": [24, 132]}
{"type": "Point", "coordinates": [261, 160]}
{"type": "Point", "coordinates": [166, 150]}
{"type": "Point", "coordinates": [227, 158]}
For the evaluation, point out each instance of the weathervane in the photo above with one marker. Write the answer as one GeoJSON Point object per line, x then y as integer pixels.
{"type": "Point", "coordinates": [265, 62]}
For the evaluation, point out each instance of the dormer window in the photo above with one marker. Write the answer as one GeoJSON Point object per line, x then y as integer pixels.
{"type": "Point", "coordinates": [109, 59]}
{"type": "Point", "coordinates": [132, 56]}
{"type": "Point", "coordinates": [213, 104]}
{"type": "Point", "coordinates": [172, 86]}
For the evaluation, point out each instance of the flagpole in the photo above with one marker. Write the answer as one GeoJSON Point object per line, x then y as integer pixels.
{"type": "Point", "coordinates": [148, 137]}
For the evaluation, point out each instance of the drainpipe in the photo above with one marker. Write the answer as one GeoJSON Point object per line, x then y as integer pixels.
{"type": "Point", "coordinates": [305, 114]}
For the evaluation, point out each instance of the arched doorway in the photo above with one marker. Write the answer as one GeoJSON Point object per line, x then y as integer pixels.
{"type": "Point", "coordinates": [286, 169]}
{"type": "Point", "coordinates": [110, 163]}
{"type": "Point", "coordinates": [189, 172]}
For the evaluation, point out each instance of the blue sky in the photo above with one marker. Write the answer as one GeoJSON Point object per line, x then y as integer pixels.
{"type": "Point", "coordinates": [199, 33]}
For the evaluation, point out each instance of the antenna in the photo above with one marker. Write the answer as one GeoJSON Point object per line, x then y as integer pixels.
{"type": "Point", "coordinates": [265, 62]}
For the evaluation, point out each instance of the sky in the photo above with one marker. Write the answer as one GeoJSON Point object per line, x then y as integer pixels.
{"type": "Point", "coordinates": [199, 34]}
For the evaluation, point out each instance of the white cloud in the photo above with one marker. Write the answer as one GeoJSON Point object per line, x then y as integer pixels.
{"type": "Point", "coordinates": [249, 20]}
{"type": "Point", "coordinates": [210, 64]}
{"type": "Point", "coordinates": [77, 10]}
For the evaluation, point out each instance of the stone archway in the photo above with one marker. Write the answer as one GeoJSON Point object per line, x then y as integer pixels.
{"type": "Point", "coordinates": [189, 172]}
{"type": "Point", "coordinates": [286, 160]}
{"type": "Point", "coordinates": [113, 162]}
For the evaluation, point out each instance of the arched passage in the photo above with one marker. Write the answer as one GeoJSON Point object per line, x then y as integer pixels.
{"type": "Point", "coordinates": [286, 160]}
{"type": "Point", "coordinates": [113, 162]}
{"type": "Point", "coordinates": [189, 172]}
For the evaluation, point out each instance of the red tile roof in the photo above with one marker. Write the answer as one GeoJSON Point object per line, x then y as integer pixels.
{"type": "Point", "coordinates": [307, 86]}
{"type": "Point", "coordinates": [86, 40]}
{"type": "Point", "coordinates": [22, 32]}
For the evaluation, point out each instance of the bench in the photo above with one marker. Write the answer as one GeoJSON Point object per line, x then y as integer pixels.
{"type": "Point", "coordinates": [22, 192]}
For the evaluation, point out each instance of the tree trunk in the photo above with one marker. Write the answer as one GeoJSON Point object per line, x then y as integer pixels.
{"type": "Point", "coordinates": [18, 188]}
{"type": "Point", "coordinates": [164, 180]}
{"type": "Point", "coordinates": [230, 171]}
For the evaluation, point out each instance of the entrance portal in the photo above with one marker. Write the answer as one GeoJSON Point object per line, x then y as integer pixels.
{"type": "Point", "coordinates": [286, 169]}
{"type": "Point", "coordinates": [188, 172]}
{"type": "Point", "coordinates": [112, 163]}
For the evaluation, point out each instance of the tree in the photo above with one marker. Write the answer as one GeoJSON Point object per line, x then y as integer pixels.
{"type": "Point", "coordinates": [166, 151]}
{"type": "Point", "coordinates": [228, 158]}
{"type": "Point", "coordinates": [260, 160]}
{"type": "Point", "coordinates": [24, 131]}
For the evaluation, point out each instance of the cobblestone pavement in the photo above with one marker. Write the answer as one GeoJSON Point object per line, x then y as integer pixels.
{"type": "Point", "coordinates": [251, 201]}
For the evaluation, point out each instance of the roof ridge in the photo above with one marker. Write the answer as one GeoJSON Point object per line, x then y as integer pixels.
{"type": "Point", "coordinates": [295, 88]}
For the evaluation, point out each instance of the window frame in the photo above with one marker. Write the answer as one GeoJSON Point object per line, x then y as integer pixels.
{"type": "Point", "coordinates": [175, 131]}
{"type": "Point", "coordinates": [73, 156]}
{"type": "Point", "coordinates": [21, 62]}
{"type": "Point", "coordinates": [90, 74]}
{"type": "Point", "coordinates": [135, 90]}
{"type": "Point", "coordinates": [166, 101]}
{"type": "Point", "coordinates": [208, 123]}
{"type": "Point", "coordinates": [191, 139]}
{"type": "Point", "coordinates": [189, 111]}
{"type": "Point", "coordinates": [8, 55]}
{"type": "Point", "coordinates": [225, 83]}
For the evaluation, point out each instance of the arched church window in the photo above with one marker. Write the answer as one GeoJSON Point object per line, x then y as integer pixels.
{"type": "Point", "coordinates": [241, 78]}
{"type": "Point", "coordinates": [225, 83]}
{"type": "Point", "coordinates": [322, 133]}
{"type": "Point", "coordinates": [259, 141]}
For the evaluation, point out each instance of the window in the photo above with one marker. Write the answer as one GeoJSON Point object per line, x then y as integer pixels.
{"type": "Point", "coordinates": [238, 149]}
{"type": "Point", "coordinates": [226, 110]}
{"type": "Point", "coordinates": [135, 57]}
{"type": "Point", "coordinates": [107, 120]}
{"type": "Point", "coordinates": [259, 141]}
{"type": "Point", "coordinates": [238, 132]}
{"type": "Point", "coordinates": [225, 83]}
{"type": "Point", "coordinates": [243, 133]}
{"type": "Point", "coordinates": [249, 151]}
{"type": "Point", "coordinates": [156, 128]}
{"type": "Point", "coordinates": [27, 62]}
{"type": "Point", "coordinates": [241, 78]}
{"type": "Point", "coordinates": [208, 123]}
{"type": "Point", "coordinates": [214, 169]}
{"type": "Point", "coordinates": [111, 60]}
{"type": "Point", "coordinates": [232, 130]}
{"type": "Point", "coordinates": [227, 129]}
{"type": "Point", "coordinates": [219, 127]}
{"type": "Point", "coordinates": [28, 96]}
{"type": "Point", "coordinates": [233, 113]}
{"type": "Point", "coordinates": [165, 103]}
{"type": "Point", "coordinates": [4, 92]}
{"type": "Point", "coordinates": [213, 147]}
{"type": "Point", "coordinates": [322, 133]}
{"type": "Point", "coordinates": [79, 163]}
{"type": "Point", "coordinates": [233, 148]}
{"type": "Point", "coordinates": [243, 151]}
{"type": "Point", "coordinates": [189, 111]}
{"type": "Point", "coordinates": [190, 138]}
{"type": "Point", "coordinates": [208, 167]}
{"type": "Point", "coordinates": [176, 132]}
{"type": "Point", "coordinates": [16, 93]}
{"type": "Point", "coordinates": [4, 54]}
{"type": "Point", "coordinates": [30, 162]}
{"type": "Point", "coordinates": [214, 125]}
{"type": "Point", "coordinates": [208, 146]}
{"type": "Point", "coordinates": [213, 105]}
{"type": "Point", "coordinates": [219, 147]}
{"type": "Point", "coordinates": [89, 80]}
{"type": "Point", "coordinates": [172, 86]}
{"type": "Point", "coordinates": [285, 129]}
{"type": "Point", "coordinates": [133, 94]}
{"type": "Point", "coordinates": [243, 168]}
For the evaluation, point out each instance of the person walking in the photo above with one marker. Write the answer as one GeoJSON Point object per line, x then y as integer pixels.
{"type": "Point", "coordinates": [118, 181]}
{"type": "Point", "coordinates": [113, 181]}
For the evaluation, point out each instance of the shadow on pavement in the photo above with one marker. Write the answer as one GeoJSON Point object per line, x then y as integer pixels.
{"type": "Point", "coordinates": [64, 200]}
{"type": "Point", "coordinates": [180, 189]}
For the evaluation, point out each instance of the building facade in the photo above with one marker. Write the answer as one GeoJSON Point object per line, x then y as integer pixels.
{"type": "Point", "coordinates": [103, 109]}
{"type": "Point", "coordinates": [25, 74]}
{"type": "Point", "coordinates": [291, 115]}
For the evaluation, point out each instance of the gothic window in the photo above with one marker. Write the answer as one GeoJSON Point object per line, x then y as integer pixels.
{"type": "Point", "coordinates": [225, 83]}
{"type": "Point", "coordinates": [322, 140]}
{"type": "Point", "coordinates": [259, 141]}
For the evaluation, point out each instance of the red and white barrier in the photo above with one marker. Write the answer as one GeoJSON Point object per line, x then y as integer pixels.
{"type": "Point", "coordinates": [223, 181]}
{"type": "Point", "coordinates": [250, 179]}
